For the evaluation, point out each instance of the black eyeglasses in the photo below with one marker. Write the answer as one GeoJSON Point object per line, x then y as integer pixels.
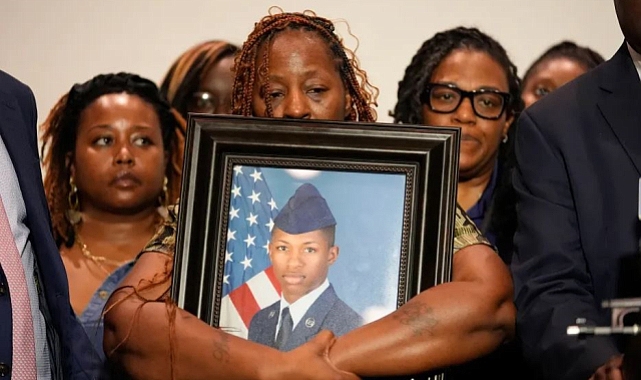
{"type": "Point", "coordinates": [446, 98]}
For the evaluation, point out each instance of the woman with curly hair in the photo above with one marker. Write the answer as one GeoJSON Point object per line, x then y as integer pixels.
{"type": "Point", "coordinates": [113, 162]}
{"type": "Point", "coordinates": [200, 80]}
{"type": "Point", "coordinates": [293, 65]}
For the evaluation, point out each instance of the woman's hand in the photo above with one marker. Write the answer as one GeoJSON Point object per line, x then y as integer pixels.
{"type": "Point", "coordinates": [309, 361]}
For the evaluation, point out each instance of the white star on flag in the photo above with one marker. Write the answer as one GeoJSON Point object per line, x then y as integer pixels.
{"type": "Point", "coordinates": [256, 175]}
{"type": "Point", "coordinates": [247, 263]}
{"type": "Point", "coordinates": [236, 191]}
{"type": "Point", "coordinates": [250, 240]}
{"type": "Point", "coordinates": [248, 268]}
{"type": "Point", "coordinates": [252, 219]}
{"type": "Point", "coordinates": [254, 197]}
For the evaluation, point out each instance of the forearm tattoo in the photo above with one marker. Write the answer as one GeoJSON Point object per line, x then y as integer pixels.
{"type": "Point", "coordinates": [419, 317]}
{"type": "Point", "coordinates": [221, 348]}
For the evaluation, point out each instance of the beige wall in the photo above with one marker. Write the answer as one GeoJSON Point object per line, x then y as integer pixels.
{"type": "Point", "coordinates": [51, 44]}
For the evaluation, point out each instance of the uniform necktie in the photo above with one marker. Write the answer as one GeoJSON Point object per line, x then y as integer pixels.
{"type": "Point", "coordinates": [286, 325]}
{"type": "Point", "coordinates": [24, 358]}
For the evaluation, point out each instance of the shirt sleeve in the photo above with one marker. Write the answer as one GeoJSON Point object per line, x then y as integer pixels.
{"type": "Point", "coordinates": [164, 241]}
{"type": "Point", "coordinates": [466, 233]}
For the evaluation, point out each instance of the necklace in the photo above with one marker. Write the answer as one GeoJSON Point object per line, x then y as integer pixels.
{"type": "Point", "coordinates": [100, 261]}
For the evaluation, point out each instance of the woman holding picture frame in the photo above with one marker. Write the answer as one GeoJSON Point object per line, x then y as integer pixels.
{"type": "Point", "coordinates": [293, 65]}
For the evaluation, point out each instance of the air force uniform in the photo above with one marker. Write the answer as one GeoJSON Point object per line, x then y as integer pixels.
{"type": "Point", "coordinates": [305, 211]}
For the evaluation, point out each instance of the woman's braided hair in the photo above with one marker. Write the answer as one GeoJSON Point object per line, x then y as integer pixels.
{"type": "Point", "coordinates": [249, 69]}
{"type": "Point", "coordinates": [59, 132]}
{"type": "Point", "coordinates": [408, 109]}
{"type": "Point", "coordinates": [186, 73]}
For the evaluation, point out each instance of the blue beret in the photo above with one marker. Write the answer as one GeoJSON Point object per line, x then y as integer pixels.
{"type": "Point", "coordinates": [305, 211]}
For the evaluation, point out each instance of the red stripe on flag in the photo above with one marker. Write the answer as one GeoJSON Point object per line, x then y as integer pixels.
{"type": "Point", "coordinates": [245, 303]}
{"type": "Point", "coordinates": [272, 277]}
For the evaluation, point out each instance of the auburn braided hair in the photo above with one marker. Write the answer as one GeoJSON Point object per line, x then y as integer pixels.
{"type": "Point", "coordinates": [186, 73]}
{"type": "Point", "coordinates": [59, 132]}
{"type": "Point", "coordinates": [247, 72]}
{"type": "Point", "coordinates": [249, 68]}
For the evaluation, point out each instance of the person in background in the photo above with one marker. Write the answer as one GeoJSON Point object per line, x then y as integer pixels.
{"type": "Point", "coordinates": [558, 65]}
{"type": "Point", "coordinates": [464, 78]}
{"type": "Point", "coordinates": [40, 337]}
{"type": "Point", "coordinates": [294, 65]}
{"type": "Point", "coordinates": [113, 162]}
{"type": "Point", "coordinates": [201, 79]}
{"type": "Point", "coordinates": [578, 154]}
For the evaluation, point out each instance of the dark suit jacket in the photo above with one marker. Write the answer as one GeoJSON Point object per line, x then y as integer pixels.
{"type": "Point", "coordinates": [579, 161]}
{"type": "Point", "coordinates": [71, 350]}
{"type": "Point", "coordinates": [328, 312]}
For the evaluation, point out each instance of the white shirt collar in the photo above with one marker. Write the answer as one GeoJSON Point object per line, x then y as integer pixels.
{"type": "Point", "coordinates": [636, 58]}
{"type": "Point", "coordinates": [300, 307]}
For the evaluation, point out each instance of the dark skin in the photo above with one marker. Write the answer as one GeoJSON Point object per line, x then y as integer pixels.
{"type": "Point", "coordinates": [115, 167]}
{"type": "Point", "coordinates": [202, 352]}
{"type": "Point", "coordinates": [480, 140]}
{"type": "Point", "coordinates": [629, 14]}
{"type": "Point", "coordinates": [447, 324]}
{"type": "Point", "coordinates": [548, 76]}
{"type": "Point", "coordinates": [217, 83]}
{"type": "Point", "coordinates": [205, 352]}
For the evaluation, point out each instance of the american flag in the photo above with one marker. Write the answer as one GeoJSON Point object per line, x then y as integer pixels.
{"type": "Point", "coordinates": [249, 283]}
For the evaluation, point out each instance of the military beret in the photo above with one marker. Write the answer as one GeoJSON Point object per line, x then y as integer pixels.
{"type": "Point", "coordinates": [305, 211]}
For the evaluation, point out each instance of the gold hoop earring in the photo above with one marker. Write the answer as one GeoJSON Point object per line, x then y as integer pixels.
{"type": "Point", "coordinates": [73, 212]}
{"type": "Point", "coordinates": [163, 199]}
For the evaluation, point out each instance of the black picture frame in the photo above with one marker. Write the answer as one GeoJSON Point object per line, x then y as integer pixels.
{"type": "Point", "coordinates": [427, 157]}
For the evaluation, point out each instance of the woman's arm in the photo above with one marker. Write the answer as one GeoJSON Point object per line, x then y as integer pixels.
{"type": "Point", "coordinates": [140, 338]}
{"type": "Point", "coordinates": [445, 325]}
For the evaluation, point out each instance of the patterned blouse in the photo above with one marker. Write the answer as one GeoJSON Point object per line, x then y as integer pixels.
{"type": "Point", "coordinates": [465, 233]}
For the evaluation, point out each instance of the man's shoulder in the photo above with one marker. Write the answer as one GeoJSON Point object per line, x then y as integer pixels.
{"type": "Point", "coordinates": [264, 313]}
{"type": "Point", "coordinates": [570, 95]}
{"type": "Point", "coordinates": [570, 109]}
{"type": "Point", "coordinates": [582, 91]}
{"type": "Point", "coordinates": [340, 308]}
{"type": "Point", "coordinates": [11, 87]}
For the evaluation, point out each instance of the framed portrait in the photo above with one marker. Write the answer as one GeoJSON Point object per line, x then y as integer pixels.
{"type": "Point", "coordinates": [299, 225]}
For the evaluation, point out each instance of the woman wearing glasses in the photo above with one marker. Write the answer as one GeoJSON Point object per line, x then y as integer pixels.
{"type": "Point", "coordinates": [464, 78]}
{"type": "Point", "coordinates": [200, 80]}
